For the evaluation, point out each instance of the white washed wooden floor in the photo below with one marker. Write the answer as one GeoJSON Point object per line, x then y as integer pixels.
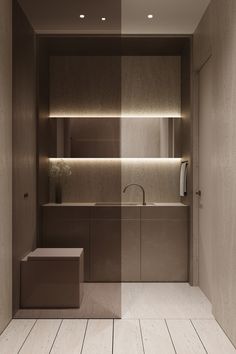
{"type": "Point", "coordinates": [156, 319]}
{"type": "Point", "coordinates": [164, 301]}
{"type": "Point", "coordinates": [114, 336]}
{"type": "Point", "coordinates": [133, 301]}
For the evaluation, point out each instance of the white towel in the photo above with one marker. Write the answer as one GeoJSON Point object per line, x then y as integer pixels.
{"type": "Point", "coordinates": [183, 179]}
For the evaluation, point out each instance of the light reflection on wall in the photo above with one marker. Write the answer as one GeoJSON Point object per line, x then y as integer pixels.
{"type": "Point", "coordinates": [107, 159]}
{"type": "Point", "coordinates": [133, 115]}
{"type": "Point", "coordinates": [102, 179]}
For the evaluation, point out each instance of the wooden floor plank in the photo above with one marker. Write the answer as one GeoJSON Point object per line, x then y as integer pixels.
{"type": "Point", "coordinates": [127, 337]}
{"type": "Point", "coordinates": [156, 337]}
{"type": "Point", "coordinates": [41, 337]}
{"type": "Point", "coordinates": [12, 339]}
{"type": "Point", "coordinates": [185, 338]}
{"type": "Point", "coordinates": [213, 337]}
{"type": "Point", "coordinates": [164, 300]}
{"type": "Point", "coordinates": [98, 338]}
{"type": "Point", "coordinates": [70, 337]}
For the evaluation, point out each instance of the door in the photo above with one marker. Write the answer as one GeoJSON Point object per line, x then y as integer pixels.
{"type": "Point", "coordinates": [206, 125]}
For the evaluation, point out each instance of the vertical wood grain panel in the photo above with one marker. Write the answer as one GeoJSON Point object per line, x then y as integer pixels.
{"type": "Point", "coordinates": [85, 86]}
{"type": "Point", "coordinates": [202, 39]}
{"type": "Point", "coordinates": [103, 180]}
{"type": "Point", "coordinates": [222, 32]}
{"type": "Point", "coordinates": [130, 250]}
{"type": "Point", "coordinates": [160, 178]}
{"type": "Point", "coordinates": [151, 86]}
{"type": "Point", "coordinates": [5, 163]}
{"type": "Point", "coordinates": [105, 250]}
{"type": "Point", "coordinates": [43, 130]}
{"type": "Point", "coordinates": [187, 152]}
{"type": "Point", "coordinates": [164, 253]}
{"type": "Point", "coordinates": [206, 202]}
{"type": "Point", "coordinates": [24, 144]}
{"type": "Point", "coordinates": [146, 85]}
{"type": "Point", "coordinates": [224, 162]}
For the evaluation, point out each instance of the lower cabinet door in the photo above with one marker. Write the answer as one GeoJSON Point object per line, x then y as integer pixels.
{"type": "Point", "coordinates": [105, 250]}
{"type": "Point", "coordinates": [164, 250]}
{"type": "Point", "coordinates": [130, 246]}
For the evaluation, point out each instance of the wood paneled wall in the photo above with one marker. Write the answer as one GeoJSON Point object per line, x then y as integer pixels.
{"type": "Point", "coordinates": [111, 85]}
{"type": "Point", "coordinates": [87, 86]}
{"type": "Point", "coordinates": [151, 86]}
{"type": "Point", "coordinates": [103, 180]}
{"type": "Point", "coordinates": [24, 144]}
{"type": "Point", "coordinates": [187, 151]}
{"type": "Point", "coordinates": [216, 35]}
{"type": "Point", "coordinates": [5, 163]}
{"type": "Point", "coordinates": [43, 130]}
{"type": "Point", "coordinates": [135, 85]}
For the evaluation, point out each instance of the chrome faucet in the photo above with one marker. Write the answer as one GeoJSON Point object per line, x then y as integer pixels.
{"type": "Point", "coordinates": [138, 185]}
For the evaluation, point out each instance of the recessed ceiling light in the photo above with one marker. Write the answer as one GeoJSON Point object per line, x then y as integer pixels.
{"type": "Point", "coordinates": [103, 18]}
{"type": "Point", "coordinates": [82, 16]}
{"type": "Point", "coordinates": [150, 16]}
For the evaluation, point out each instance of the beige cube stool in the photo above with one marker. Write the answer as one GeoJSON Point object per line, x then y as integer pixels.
{"type": "Point", "coordinates": [52, 278]}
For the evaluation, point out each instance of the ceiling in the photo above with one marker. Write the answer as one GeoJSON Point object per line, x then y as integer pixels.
{"type": "Point", "coordinates": [122, 16]}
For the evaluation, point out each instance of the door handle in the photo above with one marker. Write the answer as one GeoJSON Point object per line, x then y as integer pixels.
{"type": "Point", "coordinates": [199, 193]}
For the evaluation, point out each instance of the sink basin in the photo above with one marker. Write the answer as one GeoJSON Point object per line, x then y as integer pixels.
{"type": "Point", "coordinates": [121, 204]}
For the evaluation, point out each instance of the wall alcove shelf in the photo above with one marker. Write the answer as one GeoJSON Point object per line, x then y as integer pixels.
{"type": "Point", "coordinates": [117, 109]}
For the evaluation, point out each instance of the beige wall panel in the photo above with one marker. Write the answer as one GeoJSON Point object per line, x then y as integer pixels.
{"type": "Point", "coordinates": [103, 180]}
{"type": "Point", "coordinates": [160, 179]}
{"type": "Point", "coordinates": [24, 145]}
{"type": "Point", "coordinates": [93, 180]}
{"type": "Point", "coordinates": [5, 163]}
{"type": "Point", "coordinates": [223, 161]}
{"type": "Point", "coordinates": [206, 202]}
{"type": "Point", "coordinates": [202, 40]}
{"type": "Point", "coordinates": [85, 86]}
{"type": "Point", "coordinates": [147, 85]}
{"type": "Point", "coordinates": [151, 86]}
{"type": "Point", "coordinates": [187, 139]}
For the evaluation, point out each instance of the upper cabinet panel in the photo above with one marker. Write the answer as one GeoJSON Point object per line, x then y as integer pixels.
{"type": "Point", "coordinates": [151, 86]}
{"type": "Point", "coordinates": [111, 86]}
{"type": "Point", "coordinates": [85, 86]}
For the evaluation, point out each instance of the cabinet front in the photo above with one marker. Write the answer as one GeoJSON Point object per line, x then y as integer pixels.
{"type": "Point", "coordinates": [106, 250]}
{"type": "Point", "coordinates": [130, 254]}
{"type": "Point", "coordinates": [164, 251]}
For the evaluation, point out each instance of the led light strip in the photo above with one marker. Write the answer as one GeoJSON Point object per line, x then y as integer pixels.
{"type": "Point", "coordinates": [133, 116]}
{"type": "Point", "coordinates": [102, 159]}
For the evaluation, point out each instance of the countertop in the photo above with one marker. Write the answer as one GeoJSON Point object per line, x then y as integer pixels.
{"type": "Point", "coordinates": [154, 204]}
